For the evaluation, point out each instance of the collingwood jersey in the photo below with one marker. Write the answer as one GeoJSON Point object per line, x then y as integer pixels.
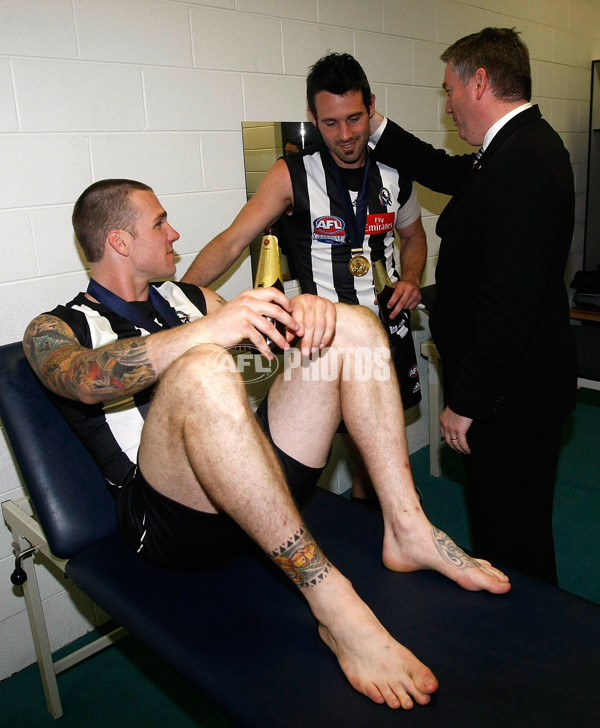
{"type": "Point", "coordinates": [315, 234]}
{"type": "Point", "coordinates": [112, 431]}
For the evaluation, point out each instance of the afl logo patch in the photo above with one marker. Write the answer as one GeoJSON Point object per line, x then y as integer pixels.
{"type": "Point", "coordinates": [414, 372]}
{"type": "Point", "coordinates": [329, 229]}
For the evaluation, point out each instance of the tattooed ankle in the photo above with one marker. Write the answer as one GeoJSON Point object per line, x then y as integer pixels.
{"type": "Point", "coordinates": [450, 552]}
{"type": "Point", "coordinates": [302, 560]}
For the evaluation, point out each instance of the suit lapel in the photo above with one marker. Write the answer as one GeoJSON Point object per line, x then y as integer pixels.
{"type": "Point", "coordinates": [524, 117]}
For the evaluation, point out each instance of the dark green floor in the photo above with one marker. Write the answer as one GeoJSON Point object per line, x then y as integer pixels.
{"type": "Point", "coordinates": [576, 503]}
{"type": "Point", "coordinates": [127, 686]}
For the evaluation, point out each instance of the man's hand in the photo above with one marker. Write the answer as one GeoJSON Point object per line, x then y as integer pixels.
{"type": "Point", "coordinates": [316, 317]}
{"type": "Point", "coordinates": [407, 295]}
{"type": "Point", "coordinates": [311, 319]}
{"type": "Point", "coordinates": [454, 430]}
{"type": "Point", "coordinates": [245, 319]}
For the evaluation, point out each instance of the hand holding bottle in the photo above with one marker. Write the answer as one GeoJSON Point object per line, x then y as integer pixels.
{"type": "Point", "coordinates": [385, 289]}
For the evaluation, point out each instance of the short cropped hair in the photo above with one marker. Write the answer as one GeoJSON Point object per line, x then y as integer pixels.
{"type": "Point", "coordinates": [503, 55]}
{"type": "Point", "coordinates": [337, 73]}
{"type": "Point", "coordinates": [104, 206]}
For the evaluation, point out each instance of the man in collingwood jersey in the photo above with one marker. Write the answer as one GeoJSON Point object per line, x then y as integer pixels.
{"type": "Point", "coordinates": [338, 210]}
{"type": "Point", "coordinates": [137, 370]}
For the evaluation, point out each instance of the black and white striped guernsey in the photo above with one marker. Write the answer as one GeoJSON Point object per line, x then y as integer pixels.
{"type": "Point", "coordinates": [112, 432]}
{"type": "Point", "coordinates": [314, 235]}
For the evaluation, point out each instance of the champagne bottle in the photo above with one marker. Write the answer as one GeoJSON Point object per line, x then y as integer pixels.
{"type": "Point", "coordinates": [268, 275]}
{"type": "Point", "coordinates": [384, 288]}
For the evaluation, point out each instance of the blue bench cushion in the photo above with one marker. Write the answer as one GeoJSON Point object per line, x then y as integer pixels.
{"type": "Point", "coordinates": [71, 500]}
{"type": "Point", "coordinates": [244, 636]}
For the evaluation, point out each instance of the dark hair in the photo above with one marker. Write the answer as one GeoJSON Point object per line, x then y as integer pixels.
{"type": "Point", "coordinates": [503, 55]}
{"type": "Point", "coordinates": [337, 73]}
{"type": "Point", "coordinates": [104, 206]}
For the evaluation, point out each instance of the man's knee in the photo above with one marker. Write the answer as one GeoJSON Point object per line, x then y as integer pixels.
{"type": "Point", "coordinates": [358, 325]}
{"type": "Point", "coordinates": [202, 373]}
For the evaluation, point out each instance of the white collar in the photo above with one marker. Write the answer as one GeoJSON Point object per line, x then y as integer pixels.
{"type": "Point", "coordinates": [495, 128]}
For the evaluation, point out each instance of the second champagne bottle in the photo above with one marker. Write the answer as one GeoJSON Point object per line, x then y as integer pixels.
{"type": "Point", "coordinates": [384, 288]}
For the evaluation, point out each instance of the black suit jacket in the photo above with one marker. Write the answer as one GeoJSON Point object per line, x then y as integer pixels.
{"type": "Point", "coordinates": [501, 318]}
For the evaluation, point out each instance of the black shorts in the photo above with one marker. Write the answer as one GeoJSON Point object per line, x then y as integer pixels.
{"type": "Point", "coordinates": [172, 535]}
{"type": "Point", "coordinates": [404, 357]}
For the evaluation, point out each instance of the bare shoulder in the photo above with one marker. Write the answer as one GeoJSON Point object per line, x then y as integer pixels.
{"type": "Point", "coordinates": [109, 373]}
{"type": "Point", "coordinates": [51, 347]}
{"type": "Point", "coordinates": [277, 186]}
{"type": "Point", "coordinates": [44, 335]}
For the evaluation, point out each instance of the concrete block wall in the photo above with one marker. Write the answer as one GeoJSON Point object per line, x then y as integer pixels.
{"type": "Point", "coordinates": [156, 90]}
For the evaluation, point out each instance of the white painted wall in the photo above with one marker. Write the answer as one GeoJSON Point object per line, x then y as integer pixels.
{"type": "Point", "coordinates": [156, 90]}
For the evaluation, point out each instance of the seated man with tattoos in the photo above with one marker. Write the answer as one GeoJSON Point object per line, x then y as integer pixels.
{"type": "Point", "coordinates": [193, 470]}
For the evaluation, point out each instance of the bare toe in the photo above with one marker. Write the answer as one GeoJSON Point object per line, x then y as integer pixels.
{"type": "Point", "coordinates": [378, 666]}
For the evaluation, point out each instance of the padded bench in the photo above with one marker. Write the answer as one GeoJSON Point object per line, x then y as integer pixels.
{"type": "Point", "coordinates": [245, 638]}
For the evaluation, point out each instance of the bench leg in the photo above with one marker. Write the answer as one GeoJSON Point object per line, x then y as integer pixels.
{"type": "Point", "coordinates": [39, 632]}
{"type": "Point", "coordinates": [27, 533]}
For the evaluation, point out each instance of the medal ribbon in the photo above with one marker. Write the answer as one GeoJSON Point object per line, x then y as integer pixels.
{"type": "Point", "coordinates": [356, 222]}
{"type": "Point", "coordinates": [121, 307]}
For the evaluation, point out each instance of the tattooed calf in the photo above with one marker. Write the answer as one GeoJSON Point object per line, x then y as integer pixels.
{"type": "Point", "coordinates": [302, 560]}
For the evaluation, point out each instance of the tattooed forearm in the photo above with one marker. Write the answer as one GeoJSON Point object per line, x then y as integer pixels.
{"type": "Point", "coordinates": [302, 560]}
{"type": "Point", "coordinates": [111, 372]}
{"type": "Point", "coordinates": [450, 551]}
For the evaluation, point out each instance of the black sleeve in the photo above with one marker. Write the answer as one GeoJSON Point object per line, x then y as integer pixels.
{"type": "Point", "coordinates": [431, 167]}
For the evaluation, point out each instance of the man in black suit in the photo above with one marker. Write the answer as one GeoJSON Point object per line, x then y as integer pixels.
{"type": "Point", "coordinates": [501, 318]}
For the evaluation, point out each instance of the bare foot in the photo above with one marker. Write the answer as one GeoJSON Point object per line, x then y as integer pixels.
{"type": "Point", "coordinates": [374, 663]}
{"type": "Point", "coordinates": [426, 547]}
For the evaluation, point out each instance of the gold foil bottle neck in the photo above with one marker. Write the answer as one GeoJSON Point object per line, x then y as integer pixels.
{"type": "Point", "coordinates": [268, 272]}
{"type": "Point", "coordinates": [381, 278]}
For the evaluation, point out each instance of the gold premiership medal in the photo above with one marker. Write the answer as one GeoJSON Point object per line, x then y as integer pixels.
{"type": "Point", "coordinates": [358, 264]}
